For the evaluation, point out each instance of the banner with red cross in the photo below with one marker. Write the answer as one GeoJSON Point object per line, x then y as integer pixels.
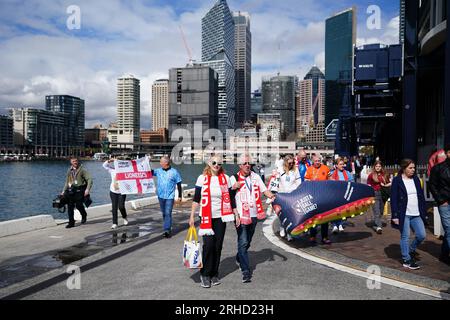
{"type": "Point", "coordinates": [134, 176]}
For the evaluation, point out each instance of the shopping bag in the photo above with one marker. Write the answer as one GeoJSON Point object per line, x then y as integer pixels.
{"type": "Point", "coordinates": [192, 257]}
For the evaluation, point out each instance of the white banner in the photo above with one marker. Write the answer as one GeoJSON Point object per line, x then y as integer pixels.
{"type": "Point", "coordinates": [135, 176]}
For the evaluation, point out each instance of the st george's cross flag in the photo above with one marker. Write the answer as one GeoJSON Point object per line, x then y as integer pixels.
{"type": "Point", "coordinates": [134, 176]}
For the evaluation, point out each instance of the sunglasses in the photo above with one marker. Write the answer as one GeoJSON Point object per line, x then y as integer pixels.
{"type": "Point", "coordinates": [290, 163]}
{"type": "Point", "coordinates": [214, 163]}
{"type": "Point", "coordinates": [246, 164]}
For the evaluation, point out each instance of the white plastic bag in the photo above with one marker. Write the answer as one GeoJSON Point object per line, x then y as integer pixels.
{"type": "Point", "coordinates": [192, 256]}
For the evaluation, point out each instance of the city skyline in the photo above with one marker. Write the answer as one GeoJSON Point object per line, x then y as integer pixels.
{"type": "Point", "coordinates": [87, 62]}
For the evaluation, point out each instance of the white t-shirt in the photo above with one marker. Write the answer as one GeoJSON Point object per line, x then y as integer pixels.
{"type": "Point", "coordinates": [413, 201]}
{"type": "Point", "coordinates": [245, 193]}
{"type": "Point", "coordinates": [289, 181]}
{"type": "Point", "coordinates": [216, 194]}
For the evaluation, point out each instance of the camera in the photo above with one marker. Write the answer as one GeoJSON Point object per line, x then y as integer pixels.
{"type": "Point", "coordinates": [60, 203]}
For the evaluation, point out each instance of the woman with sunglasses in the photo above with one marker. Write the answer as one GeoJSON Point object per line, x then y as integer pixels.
{"type": "Point", "coordinates": [212, 195]}
{"type": "Point", "coordinates": [290, 180]}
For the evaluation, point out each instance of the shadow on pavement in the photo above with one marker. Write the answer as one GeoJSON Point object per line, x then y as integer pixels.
{"type": "Point", "coordinates": [228, 265]}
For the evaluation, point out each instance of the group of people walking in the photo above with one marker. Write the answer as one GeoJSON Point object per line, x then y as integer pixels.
{"type": "Point", "coordinates": [220, 199]}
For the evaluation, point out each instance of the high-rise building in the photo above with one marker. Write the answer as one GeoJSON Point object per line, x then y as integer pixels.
{"type": "Point", "coordinates": [278, 96]}
{"type": "Point", "coordinates": [256, 105]}
{"type": "Point", "coordinates": [402, 21]}
{"type": "Point", "coordinates": [340, 38]}
{"type": "Point", "coordinates": [243, 66]}
{"type": "Point", "coordinates": [6, 131]}
{"type": "Point", "coordinates": [74, 107]}
{"type": "Point", "coordinates": [218, 53]}
{"type": "Point", "coordinates": [160, 104]}
{"type": "Point", "coordinates": [43, 132]}
{"type": "Point", "coordinates": [129, 106]}
{"type": "Point", "coordinates": [311, 102]}
{"type": "Point", "coordinates": [270, 126]}
{"type": "Point", "coordinates": [193, 94]}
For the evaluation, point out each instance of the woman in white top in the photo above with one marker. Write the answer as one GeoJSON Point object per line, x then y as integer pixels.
{"type": "Point", "coordinates": [117, 199]}
{"type": "Point", "coordinates": [408, 211]}
{"type": "Point", "coordinates": [212, 195]}
{"type": "Point", "coordinates": [290, 180]}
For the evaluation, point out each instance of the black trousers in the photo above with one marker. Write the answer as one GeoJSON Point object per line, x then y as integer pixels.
{"type": "Point", "coordinates": [79, 204]}
{"type": "Point", "coordinates": [118, 202]}
{"type": "Point", "coordinates": [212, 249]}
{"type": "Point", "coordinates": [323, 231]}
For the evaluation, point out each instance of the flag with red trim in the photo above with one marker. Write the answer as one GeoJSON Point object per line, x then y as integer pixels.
{"type": "Point", "coordinates": [134, 176]}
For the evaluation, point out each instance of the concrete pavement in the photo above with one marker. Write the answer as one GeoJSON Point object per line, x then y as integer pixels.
{"type": "Point", "coordinates": [136, 262]}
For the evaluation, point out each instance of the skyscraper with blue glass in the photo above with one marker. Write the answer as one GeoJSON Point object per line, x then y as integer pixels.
{"type": "Point", "coordinates": [340, 38]}
{"type": "Point", "coordinates": [218, 32]}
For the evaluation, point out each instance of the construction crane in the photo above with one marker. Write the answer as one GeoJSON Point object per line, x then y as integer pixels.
{"type": "Point", "coordinates": [189, 52]}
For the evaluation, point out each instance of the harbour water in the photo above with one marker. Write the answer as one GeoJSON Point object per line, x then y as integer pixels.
{"type": "Point", "coordinates": [28, 188]}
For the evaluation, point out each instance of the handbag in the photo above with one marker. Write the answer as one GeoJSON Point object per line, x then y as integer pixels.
{"type": "Point", "coordinates": [192, 257]}
{"type": "Point", "coordinates": [385, 193]}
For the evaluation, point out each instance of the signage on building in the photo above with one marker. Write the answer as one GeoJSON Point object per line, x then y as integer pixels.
{"type": "Point", "coordinates": [331, 129]}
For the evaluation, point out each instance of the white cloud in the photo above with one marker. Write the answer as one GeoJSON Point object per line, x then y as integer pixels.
{"type": "Point", "coordinates": [39, 56]}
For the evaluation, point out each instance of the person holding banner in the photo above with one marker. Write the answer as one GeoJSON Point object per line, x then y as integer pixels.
{"type": "Point", "coordinates": [249, 188]}
{"type": "Point", "coordinates": [212, 194]}
{"type": "Point", "coordinates": [117, 199]}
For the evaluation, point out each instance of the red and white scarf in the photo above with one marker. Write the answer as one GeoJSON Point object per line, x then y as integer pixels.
{"type": "Point", "coordinates": [243, 196]}
{"type": "Point", "coordinates": [226, 210]}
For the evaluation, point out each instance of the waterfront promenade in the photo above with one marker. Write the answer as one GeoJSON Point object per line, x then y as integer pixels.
{"type": "Point", "coordinates": [136, 262]}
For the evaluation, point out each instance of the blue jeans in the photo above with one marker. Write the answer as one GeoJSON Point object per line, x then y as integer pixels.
{"type": "Point", "coordinates": [417, 225]}
{"type": "Point", "coordinates": [245, 235]}
{"type": "Point", "coordinates": [444, 212]}
{"type": "Point", "coordinates": [166, 206]}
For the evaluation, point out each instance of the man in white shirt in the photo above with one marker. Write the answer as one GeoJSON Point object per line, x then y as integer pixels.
{"type": "Point", "coordinates": [248, 188]}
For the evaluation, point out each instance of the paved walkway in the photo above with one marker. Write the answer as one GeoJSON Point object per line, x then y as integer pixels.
{"type": "Point", "coordinates": [136, 262]}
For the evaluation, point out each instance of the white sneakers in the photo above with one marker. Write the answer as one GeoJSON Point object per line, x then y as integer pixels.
{"type": "Point", "coordinates": [282, 232]}
{"type": "Point", "coordinates": [289, 238]}
{"type": "Point", "coordinates": [337, 229]}
{"type": "Point", "coordinates": [125, 222]}
{"type": "Point", "coordinates": [114, 226]}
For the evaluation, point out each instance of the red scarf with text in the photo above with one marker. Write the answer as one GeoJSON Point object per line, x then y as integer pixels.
{"type": "Point", "coordinates": [245, 217]}
{"type": "Point", "coordinates": [226, 210]}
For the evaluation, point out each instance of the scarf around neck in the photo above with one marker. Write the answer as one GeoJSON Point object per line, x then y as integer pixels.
{"type": "Point", "coordinates": [226, 210]}
{"type": "Point", "coordinates": [254, 189]}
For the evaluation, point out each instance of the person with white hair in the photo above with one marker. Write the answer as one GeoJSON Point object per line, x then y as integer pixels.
{"type": "Point", "coordinates": [249, 188]}
{"type": "Point", "coordinates": [168, 179]}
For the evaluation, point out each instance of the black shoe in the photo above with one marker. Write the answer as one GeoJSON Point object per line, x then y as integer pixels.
{"type": "Point", "coordinates": [445, 259]}
{"type": "Point", "coordinates": [246, 278]}
{"type": "Point", "coordinates": [215, 281]}
{"type": "Point", "coordinates": [167, 235]}
{"type": "Point", "coordinates": [411, 264]}
{"type": "Point", "coordinates": [414, 255]}
{"type": "Point", "coordinates": [83, 221]}
{"type": "Point", "coordinates": [70, 225]}
{"type": "Point", "coordinates": [205, 282]}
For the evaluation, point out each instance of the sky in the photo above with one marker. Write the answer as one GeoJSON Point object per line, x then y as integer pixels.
{"type": "Point", "coordinates": [40, 55]}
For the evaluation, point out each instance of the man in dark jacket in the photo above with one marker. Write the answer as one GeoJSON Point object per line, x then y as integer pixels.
{"type": "Point", "coordinates": [440, 188]}
{"type": "Point", "coordinates": [77, 187]}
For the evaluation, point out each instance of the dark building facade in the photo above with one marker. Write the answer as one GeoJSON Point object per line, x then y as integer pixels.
{"type": "Point", "coordinates": [278, 96]}
{"type": "Point", "coordinates": [193, 97]}
{"type": "Point", "coordinates": [74, 107]}
{"type": "Point", "coordinates": [243, 66]}
{"type": "Point", "coordinates": [340, 38]}
{"type": "Point", "coordinates": [256, 105]}
{"type": "Point", "coordinates": [6, 131]}
{"type": "Point", "coordinates": [426, 94]}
